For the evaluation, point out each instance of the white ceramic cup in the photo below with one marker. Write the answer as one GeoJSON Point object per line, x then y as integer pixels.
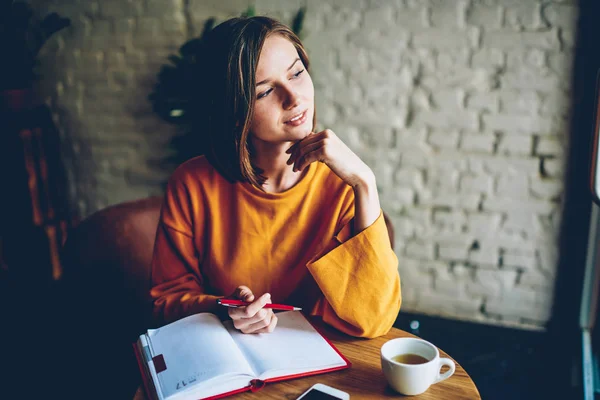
{"type": "Point", "coordinates": [412, 379]}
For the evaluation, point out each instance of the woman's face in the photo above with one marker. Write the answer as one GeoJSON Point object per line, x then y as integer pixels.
{"type": "Point", "coordinates": [284, 105]}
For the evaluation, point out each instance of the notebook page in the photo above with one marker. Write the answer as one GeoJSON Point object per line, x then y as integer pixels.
{"type": "Point", "coordinates": [293, 347]}
{"type": "Point", "coordinates": [196, 349]}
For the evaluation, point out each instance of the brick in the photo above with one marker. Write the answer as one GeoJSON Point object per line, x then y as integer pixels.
{"type": "Point", "coordinates": [485, 256]}
{"type": "Point", "coordinates": [476, 184]}
{"type": "Point", "coordinates": [505, 204]}
{"type": "Point", "coordinates": [520, 101]}
{"type": "Point", "coordinates": [442, 39]}
{"type": "Point", "coordinates": [403, 195]}
{"type": "Point", "coordinates": [447, 120]}
{"type": "Point", "coordinates": [465, 201]}
{"type": "Point", "coordinates": [449, 99]}
{"type": "Point", "coordinates": [479, 163]}
{"type": "Point", "coordinates": [119, 8]}
{"type": "Point", "coordinates": [411, 177]}
{"type": "Point", "coordinates": [555, 104]}
{"type": "Point", "coordinates": [468, 79]}
{"type": "Point", "coordinates": [443, 180]}
{"type": "Point", "coordinates": [120, 78]}
{"type": "Point", "coordinates": [535, 60]}
{"type": "Point", "coordinates": [447, 14]}
{"type": "Point", "coordinates": [443, 139]}
{"type": "Point", "coordinates": [483, 224]}
{"type": "Point", "coordinates": [102, 28]}
{"type": "Point", "coordinates": [175, 26]}
{"type": "Point", "coordinates": [414, 18]}
{"type": "Point", "coordinates": [548, 254]}
{"type": "Point", "coordinates": [483, 101]}
{"type": "Point", "coordinates": [523, 15]}
{"type": "Point", "coordinates": [92, 61]}
{"type": "Point", "coordinates": [378, 17]}
{"type": "Point", "coordinates": [164, 8]}
{"type": "Point", "coordinates": [414, 157]}
{"type": "Point", "coordinates": [562, 63]}
{"type": "Point", "coordinates": [449, 306]}
{"type": "Point", "coordinates": [553, 168]}
{"type": "Point", "coordinates": [452, 221]}
{"type": "Point", "coordinates": [512, 124]}
{"type": "Point", "coordinates": [492, 283]}
{"type": "Point", "coordinates": [478, 142]}
{"type": "Point", "coordinates": [520, 145]}
{"type": "Point", "coordinates": [451, 252]}
{"type": "Point", "coordinates": [148, 26]}
{"type": "Point", "coordinates": [519, 223]}
{"type": "Point", "coordinates": [526, 260]}
{"type": "Point", "coordinates": [218, 8]}
{"type": "Point", "coordinates": [142, 173]}
{"type": "Point", "coordinates": [563, 15]}
{"type": "Point", "coordinates": [547, 189]}
{"type": "Point", "coordinates": [410, 137]}
{"type": "Point", "coordinates": [544, 82]}
{"type": "Point", "coordinates": [521, 303]}
{"type": "Point", "coordinates": [403, 227]}
{"type": "Point", "coordinates": [550, 146]}
{"type": "Point", "coordinates": [344, 15]}
{"type": "Point", "coordinates": [537, 280]}
{"type": "Point", "coordinates": [124, 26]}
{"type": "Point", "coordinates": [420, 250]}
{"type": "Point", "coordinates": [505, 240]}
{"type": "Point", "coordinates": [488, 58]}
{"type": "Point", "coordinates": [507, 39]}
{"type": "Point", "coordinates": [450, 160]}
{"type": "Point", "coordinates": [514, 186]}
{"type": "Point", "coordinates": [488, 15]}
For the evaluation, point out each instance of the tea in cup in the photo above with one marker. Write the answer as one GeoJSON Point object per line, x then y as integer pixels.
{"type": "Point", "coordinates": [411, 365]}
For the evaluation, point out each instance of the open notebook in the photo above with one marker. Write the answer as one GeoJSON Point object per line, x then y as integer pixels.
{"type": "Point", "coordinates": [201, 357]}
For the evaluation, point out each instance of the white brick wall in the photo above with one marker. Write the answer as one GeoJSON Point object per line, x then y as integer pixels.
{"type": "Point", "coordinates": [460, 107]}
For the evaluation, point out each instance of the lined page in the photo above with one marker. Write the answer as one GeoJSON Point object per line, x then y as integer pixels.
{"type": "Point", "coordinates": [196, 349]}
{"type": "Point", "coordinates": [293, 347]}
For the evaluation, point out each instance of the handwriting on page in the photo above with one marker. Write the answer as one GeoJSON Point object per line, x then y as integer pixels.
{"type": "Point", "coordinates": [193, 378]}
{"type": "Point", "coordinates": [196, 349]}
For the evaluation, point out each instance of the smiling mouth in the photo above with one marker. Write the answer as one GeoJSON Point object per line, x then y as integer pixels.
{"type": "Point", "coordinates": [297, 118]}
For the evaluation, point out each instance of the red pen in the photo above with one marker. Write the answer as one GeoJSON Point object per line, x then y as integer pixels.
{"type": "Point", "coordinates": [240, 303]}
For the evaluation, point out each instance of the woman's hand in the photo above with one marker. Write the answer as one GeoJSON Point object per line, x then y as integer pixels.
{"type": "Point", "coordinates": [326, 147]}
{"type": "Point", "coordinates": [252, 318]}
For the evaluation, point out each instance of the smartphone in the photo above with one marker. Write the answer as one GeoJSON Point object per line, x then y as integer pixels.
{"type": "Point", "coordinates": [324, 392]}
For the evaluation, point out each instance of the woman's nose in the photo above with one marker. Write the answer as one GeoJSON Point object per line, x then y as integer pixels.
{"type": "Point", "coordinates": [292, 99]}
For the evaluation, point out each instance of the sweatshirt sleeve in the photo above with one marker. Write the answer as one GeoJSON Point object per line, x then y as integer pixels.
{"type": "Point", "coordinates": [359, 279]}
{"type": "Point", "coordinates": [177, 284]}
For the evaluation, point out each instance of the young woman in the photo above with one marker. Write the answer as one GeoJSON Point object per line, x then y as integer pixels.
{"type": "Point", "coordinates": [274, 212]}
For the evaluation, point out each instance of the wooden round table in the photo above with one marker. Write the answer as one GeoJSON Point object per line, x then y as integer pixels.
{"type": "Point", "coordinates": [364, 380]}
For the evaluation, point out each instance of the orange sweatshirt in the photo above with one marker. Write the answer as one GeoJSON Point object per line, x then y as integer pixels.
{"type": "Point", "coordinates": [214, 236]}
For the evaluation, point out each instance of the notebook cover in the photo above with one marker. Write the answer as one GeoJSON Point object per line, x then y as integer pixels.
{"type": "Point", "coordinates": [253, 387]}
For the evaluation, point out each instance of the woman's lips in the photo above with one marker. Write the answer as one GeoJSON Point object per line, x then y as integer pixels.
{"type": "Point", "coordinates": [298, 121]}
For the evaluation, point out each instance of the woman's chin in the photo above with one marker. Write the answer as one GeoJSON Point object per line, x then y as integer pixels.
{"type": "Point", "coordinates": [301, 134]}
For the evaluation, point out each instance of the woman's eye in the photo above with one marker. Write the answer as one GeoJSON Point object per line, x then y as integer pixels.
{"type": "Point", "coordinates": [297, 74]}
{"type": "Point", "coordinates": [265, 93]}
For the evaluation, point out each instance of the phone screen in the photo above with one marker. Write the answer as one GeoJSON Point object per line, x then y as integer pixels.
{"type": "Point", "coordinates": [314, 394]}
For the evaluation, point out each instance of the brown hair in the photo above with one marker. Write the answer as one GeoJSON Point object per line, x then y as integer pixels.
{"type": "Point", "coordinates": [229, 58]}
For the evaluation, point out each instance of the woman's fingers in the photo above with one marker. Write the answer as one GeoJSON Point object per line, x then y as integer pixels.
{"type": "Point", "coordinates": [308, 154]}
{"type": "Point", "coordinates": [259, 325]}
{"type": "Point", "coordinates": [270, 328]}
{"type": "Point", "coordinates": [243, 293]}
{"type": "Point", "coordinates": [250, 310]}
{"type": "Point", "coordinates": [297, 147]}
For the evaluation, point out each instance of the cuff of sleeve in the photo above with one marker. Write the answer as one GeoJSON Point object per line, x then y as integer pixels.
{"type": "Point", "coordinates": [353, 251]}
